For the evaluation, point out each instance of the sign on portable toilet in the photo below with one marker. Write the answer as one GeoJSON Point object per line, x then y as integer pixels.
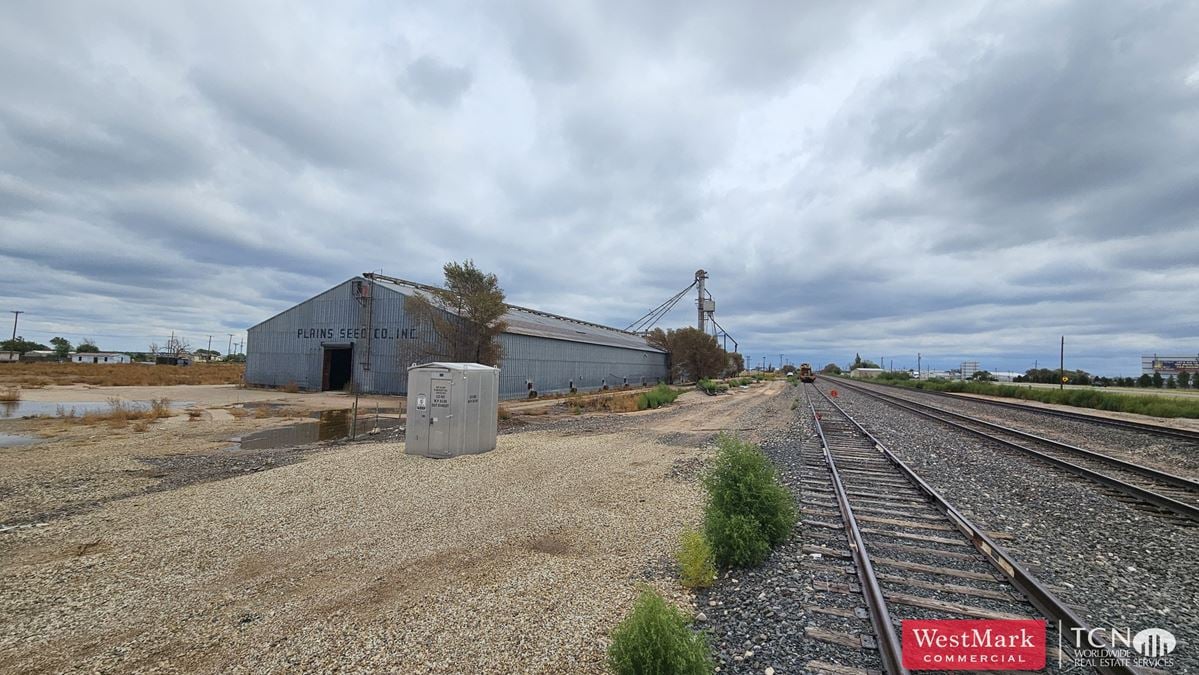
{"type": "Point", "coordinates": [451, 409]}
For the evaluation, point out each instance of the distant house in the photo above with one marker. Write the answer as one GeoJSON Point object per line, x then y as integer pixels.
{"type": "Point", "coordinates": [99, 357]}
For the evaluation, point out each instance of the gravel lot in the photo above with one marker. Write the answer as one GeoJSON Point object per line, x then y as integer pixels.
{"type": "Point", "coordinates": [1121, 565]}
{"type": "Point", "coordinates": [360, 557]}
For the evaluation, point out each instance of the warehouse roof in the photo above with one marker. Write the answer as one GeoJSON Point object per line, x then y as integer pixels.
{"type": "Point", "coordinates": [525, 321]}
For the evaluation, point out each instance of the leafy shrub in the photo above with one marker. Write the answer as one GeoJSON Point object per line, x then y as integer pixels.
{"type": "Point", "coordinates": [737, 539]}
{"type": "Point", "coordinates": [707, 385]}
{"type": "Point", "coordinates": [748, 510]}
{"type": "Point", "coordinates": [695, 559]}
{"type": "Point", "coordinates": [654, 639]}
{"type": "Point", "coordinates": [657, 397]}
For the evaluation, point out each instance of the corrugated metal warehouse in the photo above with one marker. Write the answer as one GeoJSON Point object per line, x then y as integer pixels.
{"type": "Point", "coordinates": [359, 332]}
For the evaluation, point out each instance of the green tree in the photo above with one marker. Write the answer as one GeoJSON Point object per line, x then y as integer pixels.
{"type": "Point", "coordinates": [983, 376]}
{"type": "Point", "coordinates": [466, 314]}
{"type": "Point", "coordinates": [694, 355]}
{"type": "Point", "coordinates": [86, 346]}
{"type": "Point", "coordinates": [859, 362]}
{"type": "Point", "coordinates": [21, 346]}
{"type": "Point", "coordinates": [1157, 380]}
{"type": "Point", "coordinates": [831, 369]}
{"type": "Point", "coordinates": [1144, 380]}
{"type": "Point", "coordinates": [1184, 380]}
{"type": "Point", "coordinates": [62, 346]}
{"type": "Point", "coordinates": [1170, 383]}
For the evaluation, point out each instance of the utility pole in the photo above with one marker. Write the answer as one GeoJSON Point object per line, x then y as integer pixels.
{"type": "Point", "coordinates": [1061, 380]}
{"type": "Point", "coordinates": [16, 314]}
{"type": "Point", "coordinates": [918, 371]}
{"type": "Point", "coordinates": [700, 277]}
{"type": "Point", "coordinates": [208, 356]}
{"type": "Point", "coordinates": [230, 352]}
{"type": "Point", "coordinates": [780, 361]}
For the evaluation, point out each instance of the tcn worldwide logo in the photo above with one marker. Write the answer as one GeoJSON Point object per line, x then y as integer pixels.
{"type": "Point", "coordinates": [1101, 647]}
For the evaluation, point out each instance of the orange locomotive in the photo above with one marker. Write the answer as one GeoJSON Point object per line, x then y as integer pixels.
{"type": "Point", "coordinates": [805, 373]}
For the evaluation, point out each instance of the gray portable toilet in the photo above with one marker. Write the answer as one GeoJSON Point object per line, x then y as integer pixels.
{"type": "Point", "coordinates": [451, 409]}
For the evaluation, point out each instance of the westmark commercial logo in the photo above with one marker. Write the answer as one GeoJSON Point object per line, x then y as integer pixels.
{"type": "Point", "coordinates": [974, 644]}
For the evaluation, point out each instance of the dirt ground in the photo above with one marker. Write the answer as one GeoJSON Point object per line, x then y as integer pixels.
{"type": "Point", "coordinates": [348, 555]}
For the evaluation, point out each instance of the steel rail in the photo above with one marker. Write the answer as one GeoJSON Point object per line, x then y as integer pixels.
{"type": "Point", "coordinates": [1024, 581]}
{"type": "Point", "coordinates": [1148, 496]}
{"type": "Point", "coordinates": [1146, 427]}
{"type": "Point", "coordinates": [1126, 465]}
{"type": "Point", "coordinates": [889, 643]}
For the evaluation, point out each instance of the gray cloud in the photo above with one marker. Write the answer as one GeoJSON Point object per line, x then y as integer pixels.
{"type": "Point", "coordinates": [965, 181]}
{"type": "Point", "coordinates": [427, 79]}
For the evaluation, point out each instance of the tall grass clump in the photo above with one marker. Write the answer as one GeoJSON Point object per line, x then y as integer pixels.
{"type": "Point", "coordinates": [748, 510]}
{"type": "Point", "coordinates": [697, 565]}
{"type": "Point", "coordinates": [10, 394]}
{"type": "Point", "coordinates": [658, 397]}
{"type": "Point", "coordinates": [655, 640]}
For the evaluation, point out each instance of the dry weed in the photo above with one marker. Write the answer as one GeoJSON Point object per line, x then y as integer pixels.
{"type": "Point", "coordinates": [10, 395]}
{"type": "Point", "coordinates": [616, 403]}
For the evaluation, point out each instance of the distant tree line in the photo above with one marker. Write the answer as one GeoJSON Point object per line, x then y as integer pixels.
{"type": "Point", "coordinates": [1154, 381]}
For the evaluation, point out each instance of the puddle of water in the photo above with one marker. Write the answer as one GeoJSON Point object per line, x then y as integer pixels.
{"type": "Point", "coordinates": [13, 440]}
{"type": "Point", "coordinates": [13, 409]}
{"type": "Point", "coordinates": [330, 425]}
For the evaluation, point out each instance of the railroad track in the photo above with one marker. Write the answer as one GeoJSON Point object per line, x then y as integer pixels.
{"type": "Point", "coordinates": [1145, 427]}
{"type": "Point", "coordinates": [1166, 493]}
{"type": "Point", "coordinates": [914, 555]}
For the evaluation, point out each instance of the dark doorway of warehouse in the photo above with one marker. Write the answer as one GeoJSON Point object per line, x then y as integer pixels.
{"type": "Point", "coordinates": [339, 368]}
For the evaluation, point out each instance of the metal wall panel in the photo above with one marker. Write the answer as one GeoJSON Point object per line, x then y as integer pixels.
{"type": "Point", "coordinates": [553, 365]}
{"type": "Point", "coordinates": [289, 348]}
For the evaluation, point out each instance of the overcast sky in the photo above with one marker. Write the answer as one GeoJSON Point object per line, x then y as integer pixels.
{"type": "Point", "coordinates": [965, 180]}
